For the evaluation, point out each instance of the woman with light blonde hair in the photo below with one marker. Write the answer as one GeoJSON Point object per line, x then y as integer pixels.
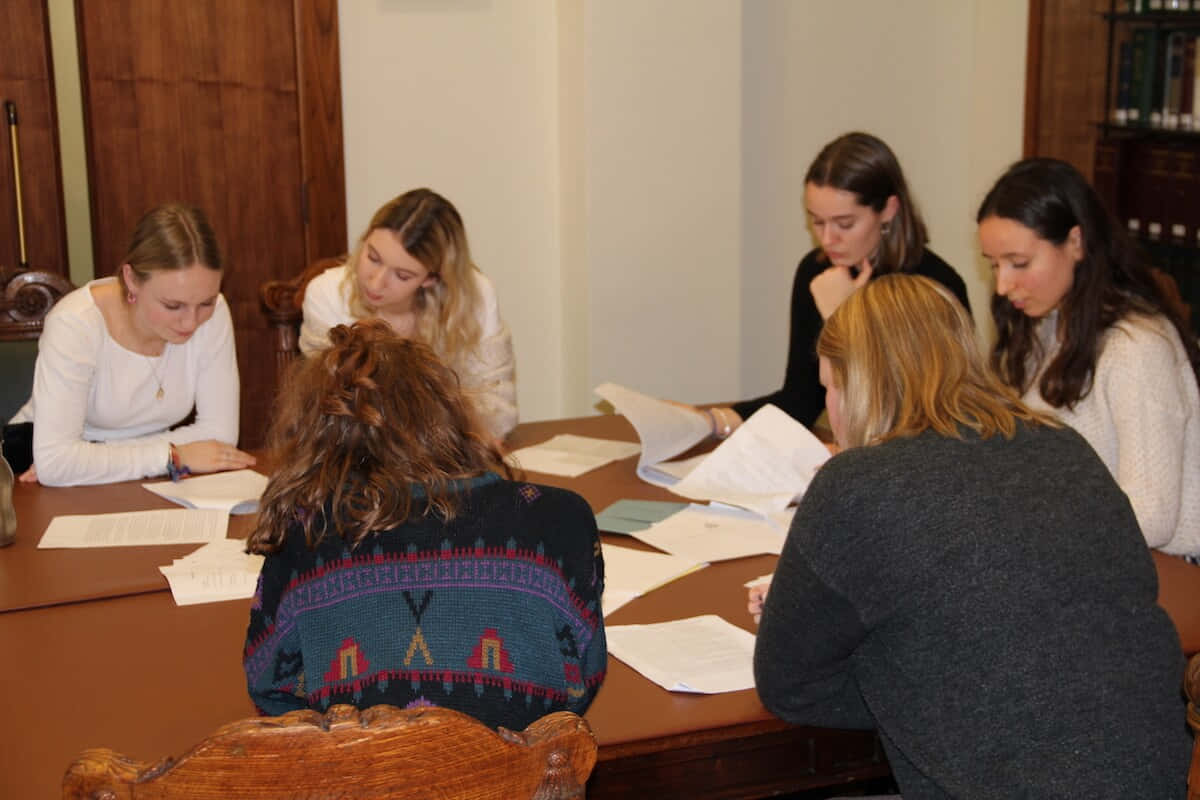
{"type": "Point", "coordinates": [958, 558]}
{"type": "Point", "coordinates": [412, 268]}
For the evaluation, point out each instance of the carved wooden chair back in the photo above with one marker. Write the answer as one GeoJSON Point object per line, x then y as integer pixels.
{"type": "Point", "coordinates": [26, 297]}
{"type": "Point", "coordinates": [1191, 687]}
{"type": "Point", "coordinates": [283, 301]}
{"type": "Point", "coordinates": [380, 752]}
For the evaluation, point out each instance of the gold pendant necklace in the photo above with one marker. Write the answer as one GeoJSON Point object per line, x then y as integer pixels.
{"type": "Point", "coordinates": [159, 379]}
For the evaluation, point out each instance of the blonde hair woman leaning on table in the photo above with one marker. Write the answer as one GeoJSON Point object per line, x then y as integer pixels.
{"type": "Point", "coordinates": [123, 359]}
{"type": "Point", "coordinates": [967, 578]}
{"type": "Point", "coordinates": [412, 268]}
{"type": "Point", "coordinates": [403, 564]}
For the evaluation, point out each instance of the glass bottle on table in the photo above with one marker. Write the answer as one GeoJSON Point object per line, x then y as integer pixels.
{"type": "Point", "coordinates": [8, 514]}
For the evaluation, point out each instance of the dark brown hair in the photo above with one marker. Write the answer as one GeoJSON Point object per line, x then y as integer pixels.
{"type": "Point", "coordinates": [368, 433]}
{"type": "Point", "coordinates": [1050, 197]}
{"type": "Point", "coordinates": [863, 165]}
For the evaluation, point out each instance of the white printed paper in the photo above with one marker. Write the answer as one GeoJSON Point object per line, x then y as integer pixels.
{"type": "Point", "coordinates": [763, 466]}
{"type": "Point", "coordinates": [133, 528]}
{"type": "Point", "coordinates": [630, 573]}
{"type": "Point", "coordinates": [570, 455]}
{"type": "Point", "coordinates": [234, 492]}
{"type": "Point", "coordinates": [707, 534]}
{"type": "Point", "coordinates": [704, 655]}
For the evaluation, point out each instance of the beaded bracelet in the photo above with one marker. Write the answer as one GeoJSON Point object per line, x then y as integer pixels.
{"type": "Point", "coordinates": [176, 469]}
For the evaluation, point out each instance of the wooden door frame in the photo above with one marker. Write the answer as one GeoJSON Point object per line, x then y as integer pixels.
{"type": "Point", "coordinates": [1033, 77]}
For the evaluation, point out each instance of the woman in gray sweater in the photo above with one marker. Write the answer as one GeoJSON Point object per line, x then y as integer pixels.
{"type": "Point", "coordinates": [967, 578]}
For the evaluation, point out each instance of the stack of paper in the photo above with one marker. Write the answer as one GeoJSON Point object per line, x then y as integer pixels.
{"type": "Point", "coordinates": [704, 654]}
{"type": "Point", "coordinates": [627, 516]}
{"type": "Point", "coordinates": [571, 455]}
{"type": "Point", "coordinates": [168, 526]}
{"type": "Point", "coordinates": [763, 466]}
{"type": "Point", "coordinates": [631, 573]}
{"type": "Point", "coordinates": [234, 492]}
{"type": "Point", "coordinates": [218, 571]}
{"type": "Point", "coordinates": [714, 533]}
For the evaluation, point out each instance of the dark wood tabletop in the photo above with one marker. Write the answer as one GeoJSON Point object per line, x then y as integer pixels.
{"type": "Point", "coordinates": [109, 660]}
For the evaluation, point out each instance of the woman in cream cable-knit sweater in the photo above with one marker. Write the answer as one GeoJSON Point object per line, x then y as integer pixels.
{"type": "Point", "coordinates": [413, 269]}
{"type": "Point", "coordinates": [1086, 331]}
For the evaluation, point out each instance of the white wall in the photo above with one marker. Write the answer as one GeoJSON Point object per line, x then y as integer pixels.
{"type": "Point", "coordinates": [941, 81]}
{"type": "Point", "coordinates": [629, 170]}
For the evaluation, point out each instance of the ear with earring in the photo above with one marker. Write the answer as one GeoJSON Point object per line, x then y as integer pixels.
{"type": "Point", "coordinates": [886, 227]}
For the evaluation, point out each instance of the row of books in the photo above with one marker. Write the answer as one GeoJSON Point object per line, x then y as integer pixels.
{"type": "Point", "coordinates": [1182, 263]}
{"type": "Point", "coordinates": [1155, 183]}
{"type": "Point", "coordinates": [1158, 79]}
{"type": "Point", "coordinates": [1150, 6]}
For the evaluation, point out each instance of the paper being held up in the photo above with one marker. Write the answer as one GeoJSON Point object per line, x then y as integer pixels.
{"type": "Point", "coordinates": [665, 429]}
{"type": "Point", "coordinates": [164, 526]}
{"type": "Point", "coordinates": [234, 492]}
{"type": "Point", "coordinates": [704, 655]}
{"type": "Point", "coordinates": [766, 463]}
{"type": "Point", "coordinates": [570, 455]}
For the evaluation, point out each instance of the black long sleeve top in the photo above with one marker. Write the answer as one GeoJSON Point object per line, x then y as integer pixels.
{"type": "Point", "coordinates": [802, 395]}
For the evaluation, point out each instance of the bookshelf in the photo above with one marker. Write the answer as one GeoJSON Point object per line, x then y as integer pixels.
{"type": "Point", "coordinates": [1147, 155]}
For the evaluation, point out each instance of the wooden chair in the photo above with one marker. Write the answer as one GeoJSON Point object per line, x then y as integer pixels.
{"type": "Point", "coordinates": [283, 301]}
{"type": "Point", "coordinates": [26, 297]}
{"type": "Point", "coordinates": [1191, 686]}
{"type": "Point", "coordinates": [1179, 595]}
{"type": "Point", "coordinates": [381, 752]}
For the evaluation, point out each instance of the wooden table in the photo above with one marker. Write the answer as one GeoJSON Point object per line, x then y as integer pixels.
{"type": "Point", "coordinates": [127, 669]}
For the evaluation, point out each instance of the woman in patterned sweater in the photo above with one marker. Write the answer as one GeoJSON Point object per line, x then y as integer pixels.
{"type": "Point", "coordinates": [403, 565]}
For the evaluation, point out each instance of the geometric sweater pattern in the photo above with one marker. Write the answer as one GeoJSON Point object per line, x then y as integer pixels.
{"type": "Point", "coordinates": [495, 613]}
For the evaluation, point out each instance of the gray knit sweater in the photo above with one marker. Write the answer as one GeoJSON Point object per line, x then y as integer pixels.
{"type": "Point", "coordinates": [989, 607]}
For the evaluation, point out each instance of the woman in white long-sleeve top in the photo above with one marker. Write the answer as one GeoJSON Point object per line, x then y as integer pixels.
{"type": "Point", "coordinates": [412, 268]}
{"type": "Point", "coordinates": [124, 359]}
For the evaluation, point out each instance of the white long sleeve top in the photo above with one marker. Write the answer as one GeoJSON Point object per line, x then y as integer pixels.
{"type": "Point", "coordinates": [1142, 417]}
{"type": "Point", "coordinates": [488, 373]}
{"type": "Point", "coordinates": [96, 414]}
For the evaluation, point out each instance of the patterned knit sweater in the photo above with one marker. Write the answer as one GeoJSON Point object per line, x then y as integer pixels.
{"type": "Point", "coordinates": [495, 614]}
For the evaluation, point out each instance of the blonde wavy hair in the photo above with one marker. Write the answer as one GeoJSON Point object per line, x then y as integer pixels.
{"type": "Point", "coordinates": [903, 351]}
{"type": "Point", "coordinates": [367, 434]}
{"type": "Point", "coordinates": [431, 231]}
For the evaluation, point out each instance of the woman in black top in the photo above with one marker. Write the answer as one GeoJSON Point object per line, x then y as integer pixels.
{"type": "Point", "coordinates": [866, 224]}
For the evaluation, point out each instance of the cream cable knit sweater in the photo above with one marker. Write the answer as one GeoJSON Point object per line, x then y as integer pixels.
{"type": "Point", "coordinates": [1142, 417]}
